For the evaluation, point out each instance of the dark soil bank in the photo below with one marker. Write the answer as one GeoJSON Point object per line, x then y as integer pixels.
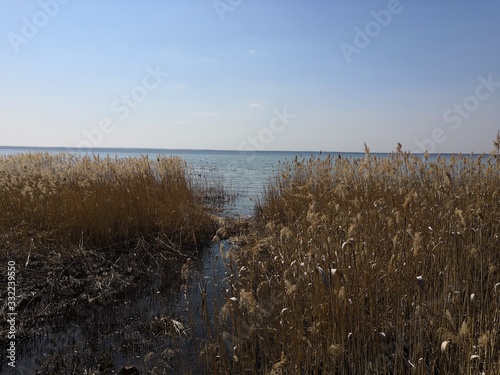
{"type": "Point", "coordinates": [106, 311]}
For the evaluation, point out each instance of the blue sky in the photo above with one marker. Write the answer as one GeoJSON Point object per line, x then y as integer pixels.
{"type": "Point", "coordinates": [259, 74]}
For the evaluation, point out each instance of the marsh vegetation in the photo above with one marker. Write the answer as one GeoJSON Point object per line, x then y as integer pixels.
{"type": "Point", "coordinates": [350, 266]}
{"type": "Point", "coordinates": [97, 242]}
{"type": "Point", "coordinates": [49, 201]}
{"type": "Point", "coordinates": [368, 266]}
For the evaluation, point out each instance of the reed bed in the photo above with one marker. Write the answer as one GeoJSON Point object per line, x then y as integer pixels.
{"type": "Point", "coordinates": [368, 266]}
{"type": "Point", "coordinates": [54, 201]}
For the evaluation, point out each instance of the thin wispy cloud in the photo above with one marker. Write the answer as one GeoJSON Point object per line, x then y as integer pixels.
{"type": "Point", "coordinates": [204, 114]}
{"type": "Point", "coordinates": [178, 87]}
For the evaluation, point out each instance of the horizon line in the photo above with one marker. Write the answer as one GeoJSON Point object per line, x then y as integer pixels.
{"type": "Point", "coordinates": [90, 149]}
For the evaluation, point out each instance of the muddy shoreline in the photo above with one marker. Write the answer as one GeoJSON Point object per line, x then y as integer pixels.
{"type": "Point", "coordinates": [103, 310]}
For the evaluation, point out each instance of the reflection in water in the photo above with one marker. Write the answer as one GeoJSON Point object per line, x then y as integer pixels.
{"type": "Point", "coordinates": [154, 327]}
{"type": "Point", "coordinates": [200, 302]}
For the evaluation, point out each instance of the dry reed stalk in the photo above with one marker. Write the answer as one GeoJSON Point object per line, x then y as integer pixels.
{"type": "Point", "coordinates": [416, 244]}
{"type": "Point", "coordinates": [60, 200]}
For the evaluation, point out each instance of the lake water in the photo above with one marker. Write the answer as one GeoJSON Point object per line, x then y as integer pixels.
{"type": "Point", "coordinates": [242, 172]}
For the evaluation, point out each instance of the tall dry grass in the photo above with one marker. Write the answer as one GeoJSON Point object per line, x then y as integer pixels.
{"type": "Point", "coordinates": [57, 201]}
{"type": "Point", "coordinates": [369, 266]}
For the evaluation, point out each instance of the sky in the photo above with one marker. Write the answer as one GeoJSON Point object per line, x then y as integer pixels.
{"type": "Point", "coordinates": [251, 75]}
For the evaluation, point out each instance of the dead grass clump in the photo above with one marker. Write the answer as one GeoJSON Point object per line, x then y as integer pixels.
{"type": "Point", "coordinates": [373, 265]}
{"type": "Point", "coordinates": [53, 201]}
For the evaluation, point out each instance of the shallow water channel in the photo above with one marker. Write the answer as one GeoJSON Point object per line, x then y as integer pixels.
{"type": "Point", "coordinates": [156, 329]}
